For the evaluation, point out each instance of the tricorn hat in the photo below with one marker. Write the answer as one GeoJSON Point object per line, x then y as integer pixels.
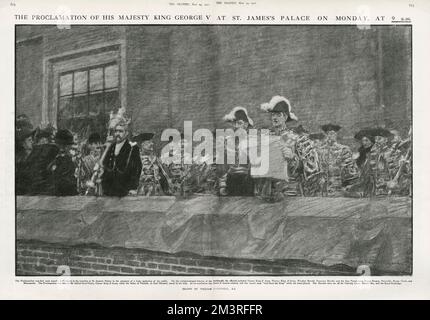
{"type": "Point", "coordinates": [64, 137]}
{"type": "Point", "coordinates": [299, 129]}
{"type": "Point", "coordinates": [279, 104]}
{"type": "Point", "coordinates": [238, 113]}
{"type": "Point", "coordinates": [144, 136]}
{"type": "Point", "coordinates": [382, 132]}
{"type": "Point", "coordinates": [317, 136]}
{"type": "Point", "coordinates": [330, 127]}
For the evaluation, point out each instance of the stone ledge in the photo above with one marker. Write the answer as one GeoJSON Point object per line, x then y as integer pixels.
{"type": "Point", "coordinates": [326, 231]}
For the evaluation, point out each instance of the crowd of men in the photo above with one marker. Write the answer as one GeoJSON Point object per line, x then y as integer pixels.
{"type": "Point", "coordinates": [56, 162]}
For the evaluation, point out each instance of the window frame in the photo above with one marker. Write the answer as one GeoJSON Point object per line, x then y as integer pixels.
{"type": "Point", "coordinates": [99, 54]}
{"type": "Point", "coordinates": [88, 92]}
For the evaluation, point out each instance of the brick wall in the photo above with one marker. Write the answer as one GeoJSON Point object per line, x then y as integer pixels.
{"type": "Point", "coordinates": [38, 258]}
{"type": "Point", "coordinates": [330, 74]}
{"type": "Point", "coordinates": [148, 77]}
{"type": "Point", "coordinates": [29, 78]}
{"type": "Point", "coordinates": [355, 77]}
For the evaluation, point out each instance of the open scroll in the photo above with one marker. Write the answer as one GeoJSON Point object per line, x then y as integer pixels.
{"type": "Point", "coordinates": [276, 166]}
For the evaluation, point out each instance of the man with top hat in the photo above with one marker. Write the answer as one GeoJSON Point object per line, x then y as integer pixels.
{"type": "Point", "coordinates": [301, 161]}
{"type": "Point", "coordinates": [45, 134]}
{"type": "Point", "coordinates": [62, 168]}
{"type": "Point", "coordinates": [121, 162]}
{"type": "Point", "coordinates": [237, 180]}
{"type": "Point", "coordinates": [153, 179]}
{"type": "Point", "coordinates": [340, 170]}
{"type": "Point", "coordinates": [38, 176]}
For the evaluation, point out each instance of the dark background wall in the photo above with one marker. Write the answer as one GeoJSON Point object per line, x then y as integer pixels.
{"type": "Point", "coordinates": [352, 76]}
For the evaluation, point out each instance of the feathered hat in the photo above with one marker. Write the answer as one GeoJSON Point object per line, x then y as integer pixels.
{"type": "Point", "coordinates": [238, 113]}
{"type": "Point", "coordinates": [118, 118]}
{"type": "Point", "coordinates": [279, 104]}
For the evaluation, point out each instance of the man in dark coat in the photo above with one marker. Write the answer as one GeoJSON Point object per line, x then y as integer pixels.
{"type": "Point", "coordinates": [63, 168]}
{"type": "Point", "coordinates": [122, 165]}
{"type": "Point", "coordinates": [37, 171]}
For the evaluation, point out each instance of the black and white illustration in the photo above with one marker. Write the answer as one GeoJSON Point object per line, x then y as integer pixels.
{"type": "Point", "coordinates": [213, 150]}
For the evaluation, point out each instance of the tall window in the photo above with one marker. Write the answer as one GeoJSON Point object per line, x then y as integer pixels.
{"type": "Point", "coordinates": [86, 96]}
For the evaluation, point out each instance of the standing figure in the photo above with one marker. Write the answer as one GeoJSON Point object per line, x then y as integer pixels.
{"type": "Point", "coordinates": [365, 184]}
{"type": "Point", "coordinates": [121, 164]}
{"type": "Point", "coordinates": [153, 180]}
{"type": "Point", "coordinates": [317, 139]}
{"type": "Point", "coordinates": [301, 163]}
{"type": "Point", "coordinates": [203, 174]}
{"type": "Point", "coordinates": [94, 149]}
{"type": "Point", "coordinates": [379, 158]}
{"type": "Point", "coordinates": [178, 167]}
{"type": "Point", "coordinates": [340, 170]}
{"type": "Point", "coordinates": [237, 180]}
{"type": "Point", "coordinates": [312, 184]}
{"type": "Point", "coordinates": [63, 168]}
{"type": "Point", "coordinates": [45, 134]}
{"type": "Point", "coordinates": [366, 138]}
{"type": "Point", "coordinates": [400, 166]}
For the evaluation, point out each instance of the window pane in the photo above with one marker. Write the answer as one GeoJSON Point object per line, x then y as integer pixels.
{"type": "Point", "coordinates": [81, 79]}
{"type": "Point", "coordinates": [80, 104]}
{"type": "Point", "coordinates": [66, 84]}
{"type": "Point", "coordinates": [112, 101]}
{"type": "Point", "coordinates": [111, 76]}
{"type": "Point", "coordinates": [96, 104]}
{"type": "Point", "coordinates": [96, 79]}
{"type": "Point", "coordinates": [65, 108]}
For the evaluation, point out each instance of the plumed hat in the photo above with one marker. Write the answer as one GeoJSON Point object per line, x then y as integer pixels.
{"type": "Point", "coordinates": [118, 118]}
{"type": "Point", "coordinates": [64, 137]}
{"type": "Point", "coordinates": [330, 127]}
{"type": "Point", "coordinates": [279, 104]}
{"type": "Point", "coordinates": [144, 136]}
{"type": "Point", "coordinates": [238, 113]}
